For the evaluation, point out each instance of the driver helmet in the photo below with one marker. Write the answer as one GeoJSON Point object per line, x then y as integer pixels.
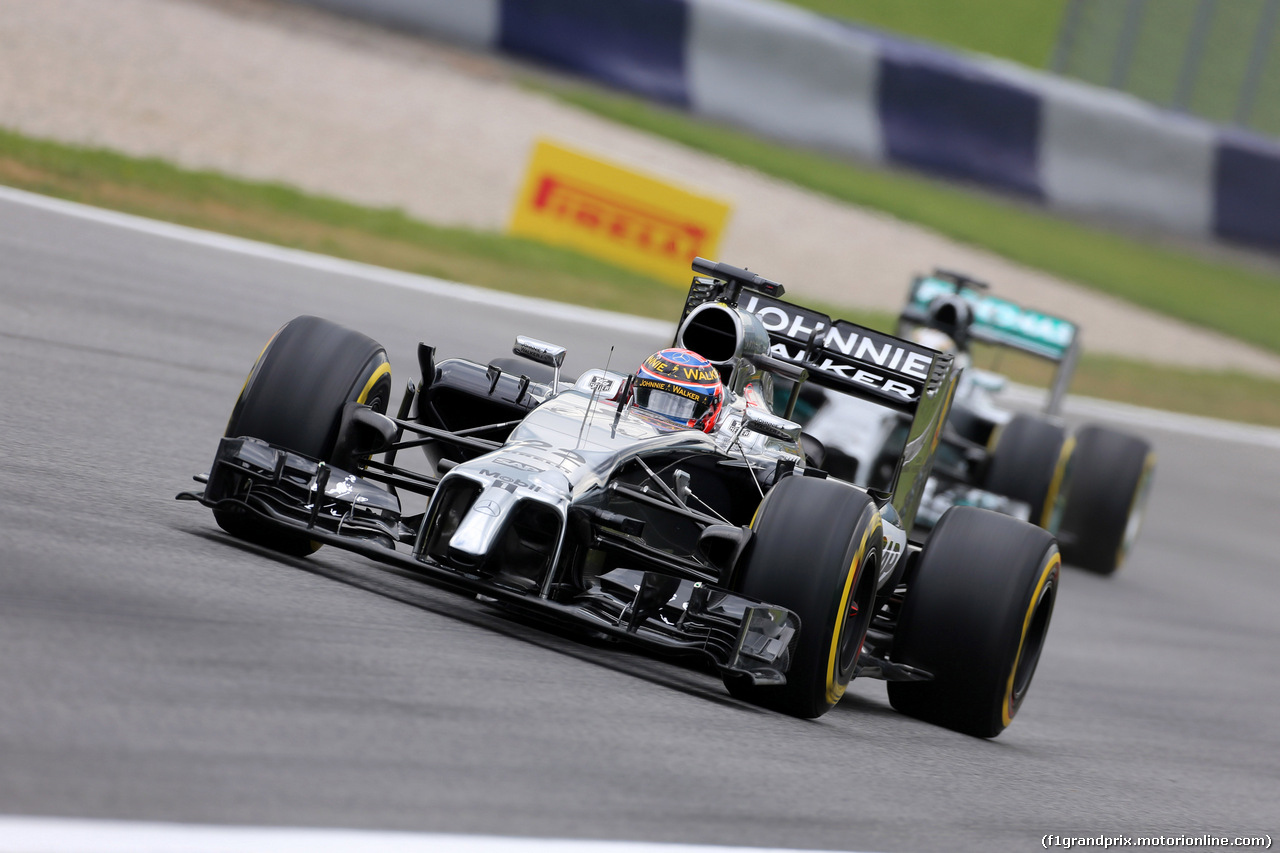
{"type": "Point", "coordinates": [679, 387]}
{"type": "Point", "coordinates": [952, 316]}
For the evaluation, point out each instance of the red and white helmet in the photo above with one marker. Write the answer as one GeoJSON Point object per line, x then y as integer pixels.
{"type": "Point", "coordinates": [679, 387]}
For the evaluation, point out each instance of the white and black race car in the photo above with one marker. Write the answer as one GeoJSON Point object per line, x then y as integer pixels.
{"type": "Point", "coordinates": [567, 501]}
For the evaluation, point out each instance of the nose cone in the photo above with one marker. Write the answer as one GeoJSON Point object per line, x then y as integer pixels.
{"type": "Point", "coordinates": [480, 527]}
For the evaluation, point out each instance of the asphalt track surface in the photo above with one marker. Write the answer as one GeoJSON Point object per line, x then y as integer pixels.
{"type": "Point", "coordinates": [153, 669]}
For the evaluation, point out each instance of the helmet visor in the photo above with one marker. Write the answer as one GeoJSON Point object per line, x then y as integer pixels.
{"type": "Point", "coordinates": [659, 399]}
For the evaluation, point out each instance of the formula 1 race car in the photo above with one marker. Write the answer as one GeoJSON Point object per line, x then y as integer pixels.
{"type": "Point", "coordinates": [672, 508]}
{"type": "Point", "coordinates": [1088, 488]}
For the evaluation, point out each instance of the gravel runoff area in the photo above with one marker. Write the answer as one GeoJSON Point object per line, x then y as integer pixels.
{"type": "Point", "coordinates": [267, 90]}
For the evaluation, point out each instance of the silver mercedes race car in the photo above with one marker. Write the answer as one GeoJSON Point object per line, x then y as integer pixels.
{"type": "Point", "coordinates": [1089, 487]}
{"type": "Point", "coordinates": [673, 508]}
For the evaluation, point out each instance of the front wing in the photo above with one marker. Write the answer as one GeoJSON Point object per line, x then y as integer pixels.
{"type": "Point", "coordinates": [739, 635]}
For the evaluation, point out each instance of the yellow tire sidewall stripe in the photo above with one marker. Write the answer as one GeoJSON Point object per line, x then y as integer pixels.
{"type": "Point", "coordinates": [1055, 485]}
{"type": "Point", "coordinates": [1051, 566]}
{"type": "Point", "coordinates": [835, 691]}
{"type": "Point", "coordinates": [382, 370]}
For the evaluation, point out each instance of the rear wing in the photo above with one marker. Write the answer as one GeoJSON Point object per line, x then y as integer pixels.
{"type": "Point", "coordinates": [845, 357]}
{"type": "Point", "coordinates": [1002, 323]}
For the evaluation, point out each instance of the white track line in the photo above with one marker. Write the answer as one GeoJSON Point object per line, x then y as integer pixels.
{"type": "Point", "coordinates": [1087, 407]}
{"type": "Point", "coordinates": [61, 835]}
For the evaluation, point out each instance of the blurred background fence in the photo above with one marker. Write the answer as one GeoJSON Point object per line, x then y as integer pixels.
{"type": "Point", "coordinates": [788, 74]}
{"type": "Point", "coordinates": [1218, 59]}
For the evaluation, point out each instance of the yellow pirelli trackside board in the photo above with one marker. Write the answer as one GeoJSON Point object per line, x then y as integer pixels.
{"type": "Point", "coordinates": [636, 221]}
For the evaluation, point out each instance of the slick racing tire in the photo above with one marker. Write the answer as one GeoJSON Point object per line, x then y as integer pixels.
{"type": "Point", "coordinates": [1111, 478]}
{"type": "Point", "coordinates": [816, 552]}
{"type": "Point", "coordinates": [975, 616]}
{"type": "Point", "coordinates": [294, 398]}
{"type": "Point", "coordinates": [1030, 464]}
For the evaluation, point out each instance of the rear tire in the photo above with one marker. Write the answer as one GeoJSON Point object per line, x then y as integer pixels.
{"type": "Point", "coordinates": [294, 397]}
{"type": "Point", "coordinates": [1110, 480]}
{"type": "Point", "coordinates": [976, 614]}
{"type": "Point", "coordinates": [816, 552]}
{"type": "Point", "coordinates": [1030, 465]}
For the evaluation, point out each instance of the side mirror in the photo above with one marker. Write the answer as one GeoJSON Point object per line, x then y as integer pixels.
{"type": "Point", "coordinates": [543, 353]}
{"type": "Point", "coordinates": [770, 425]}
{"type": "Point", "coordinates": [539, 351]}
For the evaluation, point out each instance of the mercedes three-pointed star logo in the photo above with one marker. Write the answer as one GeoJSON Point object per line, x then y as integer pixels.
{"type": "Point", "coordinates": [487, 507]}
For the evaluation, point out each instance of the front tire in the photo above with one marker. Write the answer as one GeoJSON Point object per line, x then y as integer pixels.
{"type": "Point", "coordinates": [1105, 504]}
{"type": "Point", "coordinates": [816, 552]}
{"type": "Point", "coordinates": [976, 615]}
{"type": "Point", "coordinates": [293, 398]}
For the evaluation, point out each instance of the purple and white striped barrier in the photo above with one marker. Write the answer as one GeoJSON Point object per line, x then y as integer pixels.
{"type": "Point", "coordinates": [789, 74]}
